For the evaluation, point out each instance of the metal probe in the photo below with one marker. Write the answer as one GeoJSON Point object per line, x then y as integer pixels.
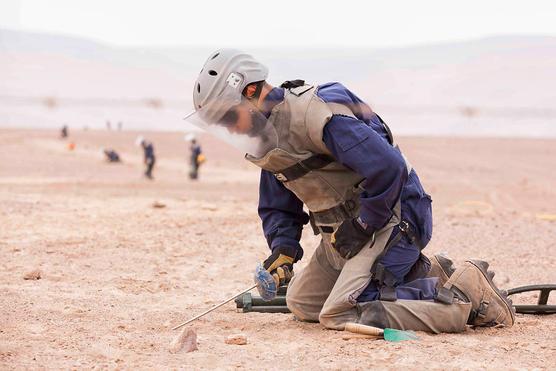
{"type": "Point", "coordinates": [215, 307]}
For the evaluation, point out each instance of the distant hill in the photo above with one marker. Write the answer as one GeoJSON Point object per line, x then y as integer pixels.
{"type": "Point", "coordinates": [421, 84]}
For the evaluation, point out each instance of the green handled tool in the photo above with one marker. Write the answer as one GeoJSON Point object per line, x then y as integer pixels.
{"type": "Point", "coordinates": [389, 334]}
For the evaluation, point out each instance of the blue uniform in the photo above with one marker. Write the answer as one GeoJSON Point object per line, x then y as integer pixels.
{"type": "Point", "coordinates": [148, 151]}
{"type": "Point", "coordinates": [194, 160]}
{"type": "Point", "coordinates": [149, 158]}
{"type": "Point", "coordinates": [195, 152]}
{"type": "Point", "coordinates": [361, 145]}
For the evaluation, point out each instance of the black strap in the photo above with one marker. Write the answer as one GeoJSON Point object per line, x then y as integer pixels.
{"type": "Point", "coordinates": [290, 84]}
{"type": "Point", "coordinates": [394, 239]}
{"type": "Point", "coordinates": [386, 282]}
{"type": "Point", "coordinates": [444, 295]}
{"type": "Point", "coordinates": [336, 214]}
{"type": "Point", "coordinates": [303, 167]}
{"type": "Point", "coordinates": [258, 91]}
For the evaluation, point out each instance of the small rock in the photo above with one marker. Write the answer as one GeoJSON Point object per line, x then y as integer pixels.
{"type": "Point", "coordinates": [33, 275]}
{"type": "Point", "coordinates": [237, 339]}
{"type": "Point", "coordinates": [187, 340]}
{"type": "Point", "coordinates": [158, 205]}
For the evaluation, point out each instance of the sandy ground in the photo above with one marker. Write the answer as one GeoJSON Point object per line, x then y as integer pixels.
{"type": "Point", "coordinates": [118, 273]}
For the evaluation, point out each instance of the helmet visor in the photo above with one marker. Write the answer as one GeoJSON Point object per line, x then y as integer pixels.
{"type": "Point", "coordinates": [232, 118]}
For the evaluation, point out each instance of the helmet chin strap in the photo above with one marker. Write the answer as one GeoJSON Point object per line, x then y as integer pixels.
{"type": "Point", "coordinates": [258, 121]}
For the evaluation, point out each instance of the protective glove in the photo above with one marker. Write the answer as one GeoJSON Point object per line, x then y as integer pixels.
{"type": "Point", "coordinates": [350, 237]}
{"type": "Point", "coordinates": [280, 265]}
{"type": "Point", "coordinates": [276, 270]}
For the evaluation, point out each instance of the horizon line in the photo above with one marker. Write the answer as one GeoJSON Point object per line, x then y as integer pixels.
{"type": "Point", "coordinates": [292, 46]}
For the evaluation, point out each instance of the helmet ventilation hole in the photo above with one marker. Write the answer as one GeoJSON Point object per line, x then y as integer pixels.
{"type": "Point", "coordinates": [198, 88]}
{"type": "Point", "coordinates": [213, 73]}
{"type": "Point", "coordinates": [214, 56]}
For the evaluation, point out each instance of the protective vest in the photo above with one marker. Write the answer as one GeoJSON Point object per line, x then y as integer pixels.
{"type": "Point", "coordinates": [303, 163]}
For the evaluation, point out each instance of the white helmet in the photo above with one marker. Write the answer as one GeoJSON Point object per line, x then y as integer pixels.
{"type": "Point", "coordinates": [225, 70]}
{"type": "Point", "coordinates": [139, 140]}
{"type": "Point", "coordinates": [219, 102]}
{"type": "Point", "coordinates": [189, 137]}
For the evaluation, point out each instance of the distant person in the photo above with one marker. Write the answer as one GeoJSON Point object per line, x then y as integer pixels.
{"type": "Point", "coordinates": [64, 132]}
{"type": "Point", "coordinates": [108, 125]}
{"type": "Point", "coordinates": [196, 157]}
{"type": "Point", "coordinates": [148, 154]}
{"type": "Point", "coordinates": [111, 155]}
{"type": "Point", "coordinates": [120, 125]}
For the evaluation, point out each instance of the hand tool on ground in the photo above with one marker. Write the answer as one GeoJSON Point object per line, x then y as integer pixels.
{"type": "Point", "coordinates": [349, 336]}
{"type": "Point", "coordinates": [389, 334]}
{"type": "Point", "coordinates": [215, 307]}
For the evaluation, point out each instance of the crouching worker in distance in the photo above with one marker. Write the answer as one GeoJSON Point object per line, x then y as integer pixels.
{"type": "Point", "coordinates": [323, 147]}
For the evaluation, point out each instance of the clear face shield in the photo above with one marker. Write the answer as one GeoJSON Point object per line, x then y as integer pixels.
{"type": "Point", "coordinates": [232, 118]}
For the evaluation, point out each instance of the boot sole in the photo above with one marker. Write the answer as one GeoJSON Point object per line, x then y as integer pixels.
{"type": "Point", "coordinates": [493, 286]}
{"type": "Point", "coordinates": [446, 266]}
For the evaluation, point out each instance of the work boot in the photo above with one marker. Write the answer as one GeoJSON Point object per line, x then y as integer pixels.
{"type": "Point", "coordinates": [441, 267]}
{"type": "Point", "coordinates": [489, 306]}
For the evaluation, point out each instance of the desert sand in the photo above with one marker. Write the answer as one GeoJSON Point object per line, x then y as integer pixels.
{"type": "Point", "coordinates": [117, 273]}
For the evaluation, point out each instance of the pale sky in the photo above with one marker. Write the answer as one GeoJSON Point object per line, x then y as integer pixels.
{"type": "Point", "coordinates": [242, 23]}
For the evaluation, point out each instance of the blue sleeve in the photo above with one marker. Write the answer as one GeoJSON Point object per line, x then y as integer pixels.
{"type": "Point", "coordinates": [357, 146]}
{"type": "Point", "coordinates": [282, 215]}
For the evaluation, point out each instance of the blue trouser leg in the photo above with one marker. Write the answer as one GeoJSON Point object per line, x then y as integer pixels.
{"type": "Point", "coordinates": [150, 165]}
{"type": "Point", "coordinates": [398, 260]}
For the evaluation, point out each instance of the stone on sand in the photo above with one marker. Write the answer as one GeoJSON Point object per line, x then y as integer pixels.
{"type": "Point", "coordinates": [33, 275]}
{"type": "Point", "coordinates": [236, 339]}
{"type": "Point", "coordinates": [158, 205]}
{"type": "Point", "coordinates": [186, 340]}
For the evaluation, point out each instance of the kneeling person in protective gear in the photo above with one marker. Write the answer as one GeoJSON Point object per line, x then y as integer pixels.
{"type": "Point", "coordinates": [323, 147]}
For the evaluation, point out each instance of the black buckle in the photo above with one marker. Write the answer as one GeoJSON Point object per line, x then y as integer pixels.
{"type": "Point", "coordinates": [406, 229]}
{"type": "Point", "coordinates": [404, 226]}
{"type": "Point", "coordinates": [444, 295]}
